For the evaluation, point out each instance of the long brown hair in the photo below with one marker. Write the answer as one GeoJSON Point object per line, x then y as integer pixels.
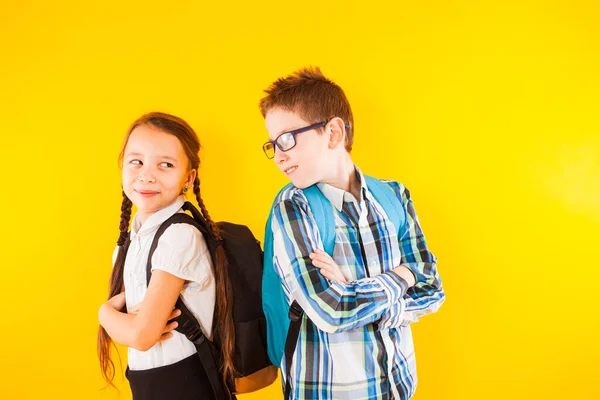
{"type": "Point", "coordinates": [224, 327]}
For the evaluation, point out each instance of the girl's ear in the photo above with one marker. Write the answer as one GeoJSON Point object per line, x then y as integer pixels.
{"type": "Point", "coordinates": [336, 131]}
{"type": "Point", "coordinates": [191, 177]}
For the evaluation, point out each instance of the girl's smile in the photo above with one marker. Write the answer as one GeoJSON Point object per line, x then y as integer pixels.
{"type": "Point", "coordinates": [155, 170]}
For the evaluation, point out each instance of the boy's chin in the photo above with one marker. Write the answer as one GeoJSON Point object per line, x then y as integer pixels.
{"type": "Point", "coordinates": [303, 184]}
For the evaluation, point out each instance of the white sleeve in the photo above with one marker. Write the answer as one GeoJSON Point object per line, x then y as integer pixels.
{"type": "Point", "coordinates": [182, 252]}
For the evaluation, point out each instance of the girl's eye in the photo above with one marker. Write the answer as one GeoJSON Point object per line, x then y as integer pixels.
{"type": "Point", "coordinates": [135, 162]}
{"type": "Point", "coordinates": [166, 165]}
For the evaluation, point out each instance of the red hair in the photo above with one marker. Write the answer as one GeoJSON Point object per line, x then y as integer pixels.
{"type": "Point", "coordinates": [308, 93]}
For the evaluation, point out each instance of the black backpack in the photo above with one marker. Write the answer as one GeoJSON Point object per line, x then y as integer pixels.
{"type": "Point", "coordinates": [245, 261]}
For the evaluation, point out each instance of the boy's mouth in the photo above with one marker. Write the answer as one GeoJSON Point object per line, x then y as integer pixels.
{"type": "Point", "coordinates": [290, 170]}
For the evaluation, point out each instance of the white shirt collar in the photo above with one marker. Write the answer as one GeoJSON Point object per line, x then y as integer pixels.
{"type": "Point", "coordinates": [337, 196]}
{"type": "Point", "coordinates": [155, 220]}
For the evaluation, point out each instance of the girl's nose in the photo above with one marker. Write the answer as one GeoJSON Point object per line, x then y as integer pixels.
{"type": "Point", "coordinates": [147, 177]}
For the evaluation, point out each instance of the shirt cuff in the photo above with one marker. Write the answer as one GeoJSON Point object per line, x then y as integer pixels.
{"type": "Point", "coordinates": [393, 285]}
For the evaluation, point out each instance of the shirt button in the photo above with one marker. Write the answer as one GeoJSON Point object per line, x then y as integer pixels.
{"type": "Point", "coordinates": [373, 263]}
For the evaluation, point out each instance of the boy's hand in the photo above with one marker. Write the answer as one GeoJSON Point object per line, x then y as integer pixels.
{"type": "Point", "coordinates": [406, 274]}
{"type": "Point", "coordinates": [329, 269]}
{"type": "Point", "coordinates": [167, 334]}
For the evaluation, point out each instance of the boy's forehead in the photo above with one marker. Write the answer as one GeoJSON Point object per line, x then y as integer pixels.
{"type": "Point", "coordinates": [279, 120]}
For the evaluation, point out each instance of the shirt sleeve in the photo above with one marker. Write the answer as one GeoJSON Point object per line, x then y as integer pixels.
{"type": "Point", "coordinates": [427, 295]}
{"type": "Point", "coordinates": [332, 307]}
{"type": "Point", "coordinates": [182, 252]}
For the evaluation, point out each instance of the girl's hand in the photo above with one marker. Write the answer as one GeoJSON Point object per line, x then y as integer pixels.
{"type": "Point", "coordinates": [117, 302]}
{"type": "Point", "coordinates": [166, 334]}
{"type": "Point", "coordinates": [328, 268]}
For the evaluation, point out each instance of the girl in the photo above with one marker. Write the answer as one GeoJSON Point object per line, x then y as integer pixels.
{"type": "Point", "coordinates": [159, 160]}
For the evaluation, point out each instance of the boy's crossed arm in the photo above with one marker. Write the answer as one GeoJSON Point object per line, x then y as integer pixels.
{"type": "Point", "coordinates": [427, 295]}
{"type": "Point", "coordinates": [331, 306]}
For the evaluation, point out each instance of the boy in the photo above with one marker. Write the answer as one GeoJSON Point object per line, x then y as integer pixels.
{"type": "Point", "coordinates": [355, 340]}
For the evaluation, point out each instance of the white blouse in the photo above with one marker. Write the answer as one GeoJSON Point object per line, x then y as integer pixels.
{"type": "Point", "coordinates": [182, 252]}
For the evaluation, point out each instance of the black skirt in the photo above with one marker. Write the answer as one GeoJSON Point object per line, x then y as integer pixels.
{"type": "Point", "coordinates": [184, 380]}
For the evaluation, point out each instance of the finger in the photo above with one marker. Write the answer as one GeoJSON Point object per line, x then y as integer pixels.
{"type": "Point", "coordinates": [333, 277]}
{"type": "Point", "coordinates": [327, 275]}
{"type": "Point", "coordinates": [171, 326]}
{"type": "Point", "coordinates": [339, 278]}
{"type": "Point", "coordinates": [165, 336]}
{"type": "Point", "coordinates": [322, 265]}
{"type": "Point", "coordinates": [324, 260]}
{"type": "Point", "coordinates": [331, 268]}
{"type": "Point", "coordinates": [321, 254]}
{"type": "Point", "coordinates": [174, 314]}
{"type": "Point", "coordinates": [330, 272]}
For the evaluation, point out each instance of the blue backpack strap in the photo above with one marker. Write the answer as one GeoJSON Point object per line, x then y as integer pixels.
{"type": "Point", "coordinates": [392, 206]}
{"type": "Point", "coordinates": [275, 306]}
{"type": "Point", "coordinates": [323, 214]}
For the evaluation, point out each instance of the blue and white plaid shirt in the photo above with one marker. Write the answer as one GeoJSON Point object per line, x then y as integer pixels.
{"type": "Point", "coordinates": [355, 341]}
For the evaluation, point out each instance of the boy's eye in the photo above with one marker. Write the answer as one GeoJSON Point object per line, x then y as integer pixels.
{"type": "Point", "coordinates": [286, 141]}
{"type": "Point", "coordinates": [166, 165]}
{"type": "Point", "coordinates": [135, 162]}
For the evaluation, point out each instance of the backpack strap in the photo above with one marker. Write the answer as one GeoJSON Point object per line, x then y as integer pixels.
{"type": "Point", "coordinates": [323, 214]}
{"type": "Point", "coordinates": [187, 323]}
{"type": "Point", "coordinates": [273, 296]}
{"type": "Point", "coordinates": [386, 197]}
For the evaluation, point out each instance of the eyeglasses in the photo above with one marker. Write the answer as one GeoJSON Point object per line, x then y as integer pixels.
{"type": "Point", "coordinates": [287, 140]}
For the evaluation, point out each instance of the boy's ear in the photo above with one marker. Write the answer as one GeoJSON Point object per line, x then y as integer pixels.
{"type": "Point", "coordinates": [336, 130]}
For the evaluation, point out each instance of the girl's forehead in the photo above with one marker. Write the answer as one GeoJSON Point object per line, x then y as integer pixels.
{"type": "Point", "coordinates": [148, 139]}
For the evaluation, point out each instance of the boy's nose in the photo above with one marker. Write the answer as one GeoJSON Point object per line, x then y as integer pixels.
{"type": "Point", "coordinates": [280, 156]}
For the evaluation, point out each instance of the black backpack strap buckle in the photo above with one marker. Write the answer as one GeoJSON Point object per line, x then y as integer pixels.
{"type": "Point", "coordinates": [295, 312]}
{"type": "Point", "coordinates": [295, 315]}
{"type": "Point", "coordinates": [193, 332]}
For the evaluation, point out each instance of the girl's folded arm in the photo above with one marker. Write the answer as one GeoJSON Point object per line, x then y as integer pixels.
{"type": "Point", "coordinates": [143, 329]}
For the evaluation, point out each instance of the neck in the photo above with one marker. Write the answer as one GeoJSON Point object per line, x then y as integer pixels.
{"type": "Point", "coordinates": [344, 177]}
{"type": "Point", "coordinates": [143, 217]}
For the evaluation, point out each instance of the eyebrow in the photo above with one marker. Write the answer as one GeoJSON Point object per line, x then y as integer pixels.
{"type": "Point", "coordinates": [161, 157]}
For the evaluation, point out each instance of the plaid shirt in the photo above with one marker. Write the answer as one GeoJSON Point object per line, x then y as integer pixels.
{"type": "Point", "coordinates": [355, 341]}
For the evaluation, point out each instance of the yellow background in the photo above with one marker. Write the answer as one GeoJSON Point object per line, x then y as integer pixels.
{"type": "Point", "coordinates": [487, 111]}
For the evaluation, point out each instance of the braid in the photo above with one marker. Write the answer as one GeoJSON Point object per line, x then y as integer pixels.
{"type": "Point", "coordinates": [116, 287]}
{"type": "Point", "coordinates": [214, 229]}
{"type": "Point", "coordinates": [125, 218]}
{"type": "Point", "coordinates": [225, 328]}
